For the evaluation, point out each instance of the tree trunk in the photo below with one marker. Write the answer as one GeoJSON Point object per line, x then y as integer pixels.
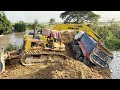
{"type": "Point", "coordinates": [34, 33]}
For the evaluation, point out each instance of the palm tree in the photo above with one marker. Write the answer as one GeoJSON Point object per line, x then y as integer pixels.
{"type": "Point", "coordinates": [35, 26]}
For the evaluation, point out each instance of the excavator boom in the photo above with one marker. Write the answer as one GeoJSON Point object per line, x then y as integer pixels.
{"type": "Point", "coordinates": [79, 27]}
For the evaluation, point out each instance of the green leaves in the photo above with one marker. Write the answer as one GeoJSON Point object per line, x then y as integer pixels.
{"type": "Point", "coordinates": [5, 24]}
{"type": "Point", "coordinates": [11, 47]}
{"type": "Point", "coordinates": [20, 26]}
{"type": "Point", "coordinates": [111, 35]}
{"type": "Point", "coordinates": [52, 21]}
{"type": "Point", "coordinates": [79, 16]}
{"type": "Point", "coordinates": [36, 24]}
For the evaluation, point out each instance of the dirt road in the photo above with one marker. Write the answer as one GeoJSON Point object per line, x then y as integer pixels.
{"type": "Point", "coordinates": [66, 69]}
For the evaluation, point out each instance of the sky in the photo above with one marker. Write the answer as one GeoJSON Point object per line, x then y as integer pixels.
{"type": "Point", "coordinates": [44, 16]}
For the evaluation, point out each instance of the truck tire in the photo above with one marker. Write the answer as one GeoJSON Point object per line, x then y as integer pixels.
{"type": "Point", "coordinates": [77, 56]}
{"type": "Point", "coordinates": [87, 62]}
{"type": "Point", "coordinates": [75, 47]}
{"type": "Point", "coordinates": [81, 59]}
{"type": "Point", "coordinates": [78, 53]}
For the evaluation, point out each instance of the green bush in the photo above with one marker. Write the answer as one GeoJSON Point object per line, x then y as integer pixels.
{"type": "Point", "coordinates": [20, 26]}
{"type": "Point", "coordinates": [113, 44]}
{"type": "Point", "coordinates": [11, 47]}
{"type": "Point", "coordinates": [110, 35]}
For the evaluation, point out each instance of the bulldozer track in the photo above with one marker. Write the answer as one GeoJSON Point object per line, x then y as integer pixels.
{"type": "Point", "coordinates": [50, 54]}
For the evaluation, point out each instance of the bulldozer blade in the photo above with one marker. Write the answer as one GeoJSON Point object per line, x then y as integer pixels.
{"type": "Point", "coordinates": [2, 62]}
{"type": "Point", "coordinates": [2, 66]}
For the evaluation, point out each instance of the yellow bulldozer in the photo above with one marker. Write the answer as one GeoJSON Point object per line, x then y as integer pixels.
{"type": "Point", "coordinates": [49, 46]}
{"type": "Point", "coordinates": [36, 49]}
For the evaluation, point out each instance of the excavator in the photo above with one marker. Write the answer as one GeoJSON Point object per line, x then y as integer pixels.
{"type": "Point", "coordinates": [87, 45]}
{"type": "Point", "coordinates": [49, 46]}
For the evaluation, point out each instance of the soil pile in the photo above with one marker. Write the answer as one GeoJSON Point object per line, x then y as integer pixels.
{"type": "Point", "coordinates": [69, 69]}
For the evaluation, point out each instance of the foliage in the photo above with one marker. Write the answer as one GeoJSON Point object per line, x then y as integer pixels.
{"type": "Point", "coordinates": [5, 24]}
{"type": "Point", "coordinates": [36, 24]}
{"type": "Point", "coordinates": [110, 35]}
{"type": "Point", "coordinates": [79, 16]}
{"type": "Point", "coordinates": [42, 26]}
{"type": "Point", "coordinates": [20, 26]}
{"type": "Point", "coordinates": [11, 47]}
{"type": "Point", "coordinates": [29, 27]}
{"type": "Point", "coordinates": [52, 21]}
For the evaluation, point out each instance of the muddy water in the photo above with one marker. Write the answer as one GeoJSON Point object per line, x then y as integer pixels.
{"type": "Point", "coordinates": [115, 65]}
{"type": "Point", "coordinates": [11, 39]}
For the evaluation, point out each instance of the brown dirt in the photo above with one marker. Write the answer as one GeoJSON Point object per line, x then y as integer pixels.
{"type": "Point", "coordinates": [68, 69]}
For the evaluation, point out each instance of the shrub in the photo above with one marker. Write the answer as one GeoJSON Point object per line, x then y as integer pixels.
{"type": "Point", "coordinates": [11, 47]}
{"type": "Point", "coordinates": [110, 35]}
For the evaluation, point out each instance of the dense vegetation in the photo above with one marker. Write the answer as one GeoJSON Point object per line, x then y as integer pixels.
{"type": "Point", "coordinates": [5, 24]}
{"type": "Point", "coordinates": [20, 26]}
{"type": "Point", "coordinates": [110, 35]}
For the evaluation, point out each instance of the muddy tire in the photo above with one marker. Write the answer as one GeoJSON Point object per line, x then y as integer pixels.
{"type": "Point", "coordinates": [75, 47]}
{"type": "Point", "coordinates": [78, 53]}
{"type": "Point", "coordinates": [81, 58]}
{"type": "Point", "coordinates": [87, 62]}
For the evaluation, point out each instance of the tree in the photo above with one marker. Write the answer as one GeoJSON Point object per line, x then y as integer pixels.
{"type": "Point", "coordinates": [112, 21]}
{"type": "Point", "coordinates": [5, 24]}
{"type": "Point", "coordinates": [29, 26]}
{"type": "Point", "coordinates": [20, 26]}
{"type": "Point", "coordinates": [79, 16]}
{"type": "Point", "coordinates": [35, 26]}
{"type": "Point", "coordinates": [52, 21]}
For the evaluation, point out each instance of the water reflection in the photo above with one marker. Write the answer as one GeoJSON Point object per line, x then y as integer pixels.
{"type": "Point", "coordinates": [11, 39]}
